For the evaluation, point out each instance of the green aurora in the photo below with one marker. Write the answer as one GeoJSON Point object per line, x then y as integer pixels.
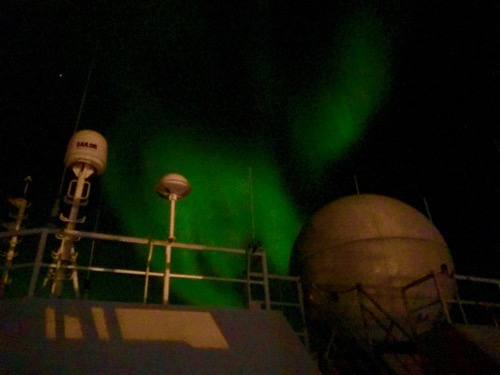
{"type": "Point", "coordinates": [151, 140]}
{"type": "Point", "coordinates": [332, 120]}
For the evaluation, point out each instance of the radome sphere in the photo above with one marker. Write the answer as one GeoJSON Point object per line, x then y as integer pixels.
{"type": "Point", "coordinates": [374, 241]}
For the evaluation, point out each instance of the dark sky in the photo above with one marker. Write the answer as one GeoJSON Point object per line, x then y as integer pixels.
{"type": "Point", "coordinates": [435, 135]}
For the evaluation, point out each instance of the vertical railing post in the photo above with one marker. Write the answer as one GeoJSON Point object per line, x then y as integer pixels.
{"type": "Point", "coordinates": [267, 296]}
{"type": "Point", "coordinates": [148, 267]}
{"type": "Point", "coordinates": [494, 317]}
{"type": "Point", "coordinates": [441, 299]}
{"type": "Point", "coordinates": [300, 293]}
{"type": "Point", "coordinates": [38, 262]}
{"type": "Point", "coordinates": [459, 300]}
{"type": "Point", "coordinates": [166, 274]}
{"type": "Point", "coordinates": [248, 278]}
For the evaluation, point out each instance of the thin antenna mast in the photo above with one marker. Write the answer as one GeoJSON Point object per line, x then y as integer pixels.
{"type": "Point", "coordinates": [428, 210]}
{"type": "Point", "coordinates": [252, 205]}
{"type": "Point", "coordinates": [356, 183]}
{"type": "Point", "coordinates": [56, 207]}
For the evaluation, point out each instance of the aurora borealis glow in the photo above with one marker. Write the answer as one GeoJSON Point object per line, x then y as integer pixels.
{"type": "Point", "coordinates": [307, 95]}
{"type": "Point", "coordinates": [151, 139]}
{"type": "Point", "coordinates": [334, 117]}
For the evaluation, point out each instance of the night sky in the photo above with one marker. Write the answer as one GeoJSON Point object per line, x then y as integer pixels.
{"type": "Point", "coordinates": [411, 89]}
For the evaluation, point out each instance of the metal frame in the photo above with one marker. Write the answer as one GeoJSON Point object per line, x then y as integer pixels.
{"type": "Point", "coordinates": [167, 275]}
{"type": "Point", "coordinates": [457, 300]}
{"type": "Point", "coordinates": [361, 293]}
{"type": "Point", "coordinates": [251, 278]}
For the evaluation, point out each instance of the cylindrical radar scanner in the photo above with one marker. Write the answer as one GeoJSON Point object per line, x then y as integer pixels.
{"type": "Point", "coordinates": [89, 147]}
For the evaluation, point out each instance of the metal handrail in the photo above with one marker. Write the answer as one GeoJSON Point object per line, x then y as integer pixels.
{"type": "Point", "coordinates": [260, 278]}
{"type": "Point", "coordinates": [131, 240]}
{"type": "Point", "coordinates": [456, 300]}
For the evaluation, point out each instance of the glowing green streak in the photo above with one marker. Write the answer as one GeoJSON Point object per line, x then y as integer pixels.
{"type": "Point", "coordinates": [149, 143]}
{"type": "Point", "coordinates": [330, 122]}
{"type": "Point", "coordinates": [218, 211]}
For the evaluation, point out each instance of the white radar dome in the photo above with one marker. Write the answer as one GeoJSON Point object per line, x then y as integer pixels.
{"type": "Point", "coordinates": [89, 147]}
{"type": "Point", "coordinates": [173, 183]}
{"type": "Point", "coordinates": [374, 241]}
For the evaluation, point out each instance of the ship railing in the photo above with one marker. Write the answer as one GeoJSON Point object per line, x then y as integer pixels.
{"type": "Point", "coordinates": [468, 303]}
{"type": "Point", "coordinates": [44, 233]}
{"type": "Point", "coordinates": [250, 278]}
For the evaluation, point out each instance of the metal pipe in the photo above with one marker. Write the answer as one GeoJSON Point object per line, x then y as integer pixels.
{"type": "Point", "coordinates": [146, 241]}
{"type": "Point", "coordinates": [38, 262]}
{"type": "Point", "coordinates": [166, 275]}
{"type": "Point", "coordinates": [267, 294]}
{"type": "Point", "coordinates": [64, 254]}
{"type": "Point", "coordinates": [211, 278]}
{"type": "Point", "coordinates": [478, 279]}
{"type": "Point", "coordinates": [248, 278]}
{"type": "Point", "coordinates": [440, 297]}
{"type": "Point", "coordinates": [171, 233]}
{"type": "Point", "coordinates": [26, 232]}
{"type": "Point", "coordinates": [300, 294]}
{"type": "Point", "coordinates": [459, 301]}
{"type": "Point", "coordinates": [146, 281]}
